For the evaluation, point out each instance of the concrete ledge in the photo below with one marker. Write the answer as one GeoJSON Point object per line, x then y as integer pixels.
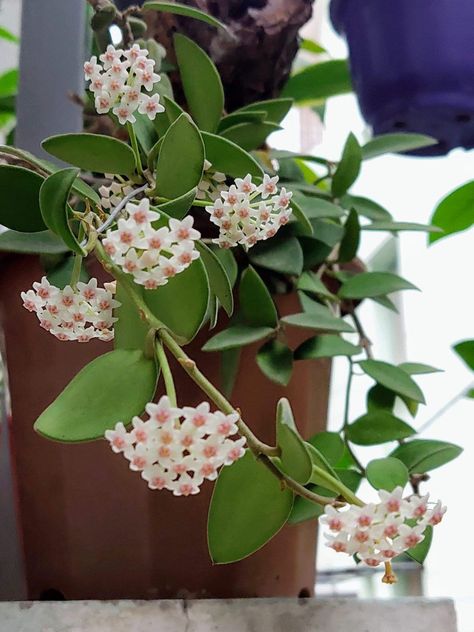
{"type": "Point", "coordinates": [245, 615]}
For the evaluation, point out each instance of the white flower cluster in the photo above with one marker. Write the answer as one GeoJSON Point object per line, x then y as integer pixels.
{"type": "Point", "coordinates": [212, 183]}
{"type": "Point", "coordinates": [80, 313]}
{"type": "Point", "coordinates": [178, 448]}
{"type": "Point", "coordinates": [117, 83]}
{"type": "Point", "coordinates": [111, 195]}
{"type": "Point", "coordinates": [151, 255]}
{"type": "Point", "coordinates": [378, 532]}
{"type": "Point", "coordinates": [246, 213]}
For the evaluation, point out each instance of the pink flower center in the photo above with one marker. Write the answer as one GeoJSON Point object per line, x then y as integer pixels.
{"type": "Point", "coordinates": [126, 237]}
{"type": "Point", "coordinates": [372, 561]}
{"type": "Point", "coordinates": [393, 504]}
{"type": "Point", "coordinates": [364, 520]}
{"type": "Point", "coordinates": [210, 451]}
{"type": "Point", "coordinates": [118, 442]}
{"type": "Point", "coordinates": [335, 524]}
{"type": "Point", "coordinates": [208, 469]}
{"type": "Point", "coordinates": [340, 547]}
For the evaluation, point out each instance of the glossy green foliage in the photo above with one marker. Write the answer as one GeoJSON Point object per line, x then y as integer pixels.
{"type": "Point", "coordinates": [56, 212]}
{"type": "Point", "coordinates": [248, 507]}
{"type": "Point", "coordinates": [181, 159]}
{"type": "Point", "coordinates": [19, 203]}
{"type": "Point", "coordinates": [92, 152]}
{"type": "Point", "coordinates": [387, 473]}
{"type": "Point", "coordinates": [201, 83]}
{"type": "Point", "coordinates": [256, 304]}
{"type": "Point", "coordinates": [182, 303]}
{"type": "Point", "coordinates": [114, 387]}
{"type": "Point", "coordinates": [275, 360]}
{"type": "Point", "coordinates": [295, 459]}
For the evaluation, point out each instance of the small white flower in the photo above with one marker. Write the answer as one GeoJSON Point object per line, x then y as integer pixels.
{"type": "Point", "coordinates": [117, 83]}
{"type": "Point", "coordinates": [379, 532]}
{"type": "Point", "coordinates": [124, 113]}
{"type": "Point", "coordinates": [80, 313]}
{"type": "Point", "coordinates": [151, 255]}
{"type": "Point", "coordinates": [150, 106]}
{"type": "Point", "coordinates": [245, 215]}
{"type": "Point", "coordinates": [177, 449]}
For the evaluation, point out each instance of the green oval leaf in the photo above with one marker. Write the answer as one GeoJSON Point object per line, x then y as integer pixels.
{"type": "Point", "coordinates": [368, 208]}
{"type": "Point", "coordinates": [54, 195]}
{"type": "Point", "coordinates": [248, 507]}
{"type": "Point", "coordinates": [179, 207]}
{"type": "Point", "coordinates": [317, 208]}
{"type": "Point", "coordinates": [235, 118]}
{"type": "Point", "coordinates": [325, 347]}
{"type": "Point", "coordinates": [396, 227]}
{"type": "Point", "coordinates": [280, 254]}
{"type": "Point", "coordinates": [393, 378]}
{"type": "Point", "coordinates": [416, 368]}
{"type": "Point", "coordinates": [395, 143]}
{"type": "Point", "coordinates": [43, 242]}
{"type": "Point", "coordinates": [92, 152]}
{"type": "Point", "coordinates": [423, 455]}
{"type": "Point", "coordinates": [387, 473]}
{"type": "Point", "coordinates": [311, 283]}
{"type": "Point", "coordinates": [465, 351]}
{"type": "Point", "coordinates": [229, 158]}
{"type": "Point", "coordinates": [350, 242]}
{"type": "Point", "coordinates": [378, 426]}
{"type": "Point", "coordinates": [201, 83]}
{"type": "Point", "coordinates": [181, 304]}
{"type": "Point", "coordinates": [236, 336]}
{"type": "Point", "coordinates": [250, 135]}
{"type": "Point", "coordinates": [130, 330]}
{"type": "Point", "coordinates": [275, 360]}
{"type": "Point", "coordinates": [181, 159]}
{"type": "Point", "coordinates": [19, 204]}
{"type": "Point", "coordinates": [330, 444]}
{"type": "Point", "coordinates": [303, 225]}
{"type": "Point", "coordinates": [348, 169]}
{"type": "Point", "coordinates": [275, 109]}
{"type": "Point", "coordinates": [319, 318]}
{"type": "Point", "coordinates": [455, 212]}
{"type": "Point", "coordinates": [319, 81]}
{"type": "Point", "coordinates": [256, 303]}
{"type": "Point", "coordinates": [369, 284]}
{"type": "Point", "coordinates": [218, 279]}
{"type": "Point", "coordinates": [183, 9]}
{"type": "Point", "coordinates": [295, 459]}
{"type": "Point", "coordinates": [113, 387]}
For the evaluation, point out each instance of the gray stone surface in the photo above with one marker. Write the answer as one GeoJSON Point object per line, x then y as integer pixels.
{"type": "Point", "coordinates": [245, 615]}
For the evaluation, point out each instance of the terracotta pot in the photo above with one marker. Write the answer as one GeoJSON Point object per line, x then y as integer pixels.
{"type": "Point", "coordinates": [90, 527]}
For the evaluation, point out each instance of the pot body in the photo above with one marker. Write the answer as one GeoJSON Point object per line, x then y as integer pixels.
{"type": "Point", "coordinates": [412, 65]}
{"type": "Point", "coordinates": [91, 529]}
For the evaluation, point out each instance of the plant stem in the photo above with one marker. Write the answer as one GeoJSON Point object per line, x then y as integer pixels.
{"type": "Point", "coordinates": [257, 446]}
{"type": "Point", "coordinates": [166, 371]}
{"type": "Point", "coordinates": [76, 270]}
{"type": "Point", "coordinates": [337, 485]}
{"type": "Point", "coordinates": [364, 341]}
{"type": "Point", "coordinates": [136, 150]}
{"type": "Point", "coordinates": [347, 402]}
{"type": "Point", "coordinates": [297, 487]}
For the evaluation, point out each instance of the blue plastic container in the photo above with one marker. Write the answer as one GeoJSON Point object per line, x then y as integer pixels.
{"type": "Point", "coordinates": [412, 65]}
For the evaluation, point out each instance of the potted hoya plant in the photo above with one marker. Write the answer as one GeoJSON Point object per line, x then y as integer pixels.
{"type": "Point", "coordinates": [179, 448]}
